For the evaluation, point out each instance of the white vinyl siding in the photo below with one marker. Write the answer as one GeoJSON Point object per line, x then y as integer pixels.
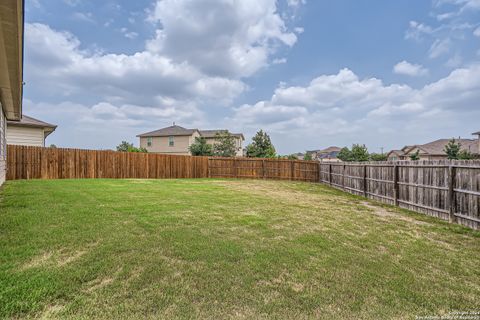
{"type": "Point", "coordinates": [25, 136]}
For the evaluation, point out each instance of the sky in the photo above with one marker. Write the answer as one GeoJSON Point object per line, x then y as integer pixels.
{"type": "Point", "coordinates": [312, 73]}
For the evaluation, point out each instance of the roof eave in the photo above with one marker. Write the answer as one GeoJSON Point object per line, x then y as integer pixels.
{"type": "Point", "coordinates": [31, 125]}
{"type": "Point", "coordinates": [11, 57]}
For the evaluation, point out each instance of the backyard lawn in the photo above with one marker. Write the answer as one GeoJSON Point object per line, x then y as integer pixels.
{"type": "Point", "coordinates": [225, 249]}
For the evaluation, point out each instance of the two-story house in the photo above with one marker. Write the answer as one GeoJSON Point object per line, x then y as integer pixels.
{"type": "Point", "coordinates": [177, 140]}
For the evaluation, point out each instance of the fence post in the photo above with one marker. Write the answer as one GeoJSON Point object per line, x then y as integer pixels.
{"type": "Point", "coordinates": [451, 193]}
{"type": "Point", "coordinates": [365, 180]}
{"type": "Point", "coordinates": [292, 170]}
{"type": "Point", "coordinates": [395, 185]}
{"type": "Point", "coordinates": [330, 173]}
{"type": "Point", "coordinates": [319, 172]}
{"type": "Point", "coordinates": [264, 171]}
{"type": "Point", "coordinates": [343, 177]}
{"type": "Point", "coordinates": [209, 174]}
{"type": "Point", "coordinates": [234, 168]}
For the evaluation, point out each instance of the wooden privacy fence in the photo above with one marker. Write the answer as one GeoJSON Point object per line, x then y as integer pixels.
{"type": "Point", "coordinates": [57, 163]}
{"type": "Point", "coordinates": [449, 190]}
{"type": "Point", "coordinates": [263, 169]}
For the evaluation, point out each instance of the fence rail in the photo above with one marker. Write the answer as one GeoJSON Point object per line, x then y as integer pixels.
{"type": "Point", "coordinates": [449, 190]}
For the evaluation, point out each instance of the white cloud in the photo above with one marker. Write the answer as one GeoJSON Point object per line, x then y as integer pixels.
{"type": "Point", "coordinates": [129, 34]}
{"type": "Point", "coordinates": [72, 3]}
{"type": "Point", "coordinates": [455, 61]}
{"type": "Point", "coordinates": [221, 38]}
{"type": "Point", "coordinates": [455, 23]}
{"type": "Point", "coordinates": [84, 16]}
{"type": "Point", "coordinates": [440, 47]}
{"type": "Point", "coordinates": [104, 125]}
{"type": "Point", "coordinates": [340, 108]}
{"type": "Point", "coordinates": [476, 33]}
{"type": "Point", "coordinates": [409, 69]}
{"type": "Point", "coordinates": [465, 5]}
{"type": "Point", "coordinates": [56, 60]}
{"type": "Point", "coordinates": [86, 90]}
{"type": "Point", "coordinates": [299, 30]}
{"type": "Point", "coordinates": [417, 30]}
{"type": "Point", "coordinates": [296, 3]}
{"type": "Point", "coordinates": [279, 61]}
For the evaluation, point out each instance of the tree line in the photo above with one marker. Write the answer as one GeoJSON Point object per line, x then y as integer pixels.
{"type": "Point", "coordinates": [224, 146]}
{"type": "Point", "coordinates": [359, 153]}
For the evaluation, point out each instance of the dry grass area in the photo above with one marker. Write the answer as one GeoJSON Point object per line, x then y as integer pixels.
{"type": "Point", "coordinates": [238, 249]}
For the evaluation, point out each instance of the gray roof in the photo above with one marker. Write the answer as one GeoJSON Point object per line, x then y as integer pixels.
{"type": "Point", "coordinates": [476, 133]}
{"type": "Point", "coordinates": [437, 147]}
{"type": "Point", "coordinates": [181, 131]}
{"type": "Point", "coordinates": [213, 133]}
{"type": "Point", "coordinates": [326, 150]}
{"type": "Point", "coordinates": [169, 131]}
{"type": "Point", "coordinates": [27, 121]}
{"type": "Point", "coordinates": [398, 152]}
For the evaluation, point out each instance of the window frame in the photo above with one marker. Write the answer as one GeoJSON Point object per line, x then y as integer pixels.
{"type": "Point", "coordinates": [171, 141]}
{"type": "Point", "coordinates": [149, 141]}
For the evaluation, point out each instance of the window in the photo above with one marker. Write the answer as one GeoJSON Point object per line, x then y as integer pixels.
{"type": "Point", "coordinates": [149, 141]}
{"type": "Point", "coordinates": [171, 142]}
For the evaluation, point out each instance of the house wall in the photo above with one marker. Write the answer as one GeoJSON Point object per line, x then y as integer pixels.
{"type": "Point", "coordinates": [25, 136]}
{"type": "Point", "coordinates": [160, 144]}
{"type": "Point", "coordinates": [424, 156]}
{"type": "Point", "coordinates": [3, 146]}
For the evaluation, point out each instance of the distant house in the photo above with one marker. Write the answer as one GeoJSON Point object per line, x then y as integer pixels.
{"type": "Point", "coordinates": [435, 150]}
{"type": "Point", "coordinates": [328, 154]}
{"type": "Point", "coordinates": [395, 155]}
{"type": "Point", "coordinates": [28, 131]}
{"type": "Point", "coordinates": [299, 155]}
{"type": "Point", "coordinates": [177, 140]}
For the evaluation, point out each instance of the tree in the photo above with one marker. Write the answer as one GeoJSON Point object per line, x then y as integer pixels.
{"type": "Point", "coordinates": [415, 156]}
{"type": "Point", "coordinates": [308, 156]}
{"type": "Point", "coordinates": [129, 147]}
{"type": "Point", "coordinates": [261, 146]}
{"type": "Point", "coordinates": [378, 157]}
{"type": "Point", "coordinates": [345, 155]}
{"type": "Point", "coordinates": [452, 149]}
{"type": "Point", "coordinates": [200, 147]}
{"type": "Point", "coordinates": [360, 153]}
{"type": "Point", "coordinates": [289, 157]}
{"type": "Point", "coordinates": [224, 145]}
{"type": "Point", "coordinates": [53, 146]}
{"type": "Point", "coordinates": [465, 155]}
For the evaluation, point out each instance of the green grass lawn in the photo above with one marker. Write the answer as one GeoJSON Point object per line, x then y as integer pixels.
{"type": "Point", "coordinates": [225, 249]}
